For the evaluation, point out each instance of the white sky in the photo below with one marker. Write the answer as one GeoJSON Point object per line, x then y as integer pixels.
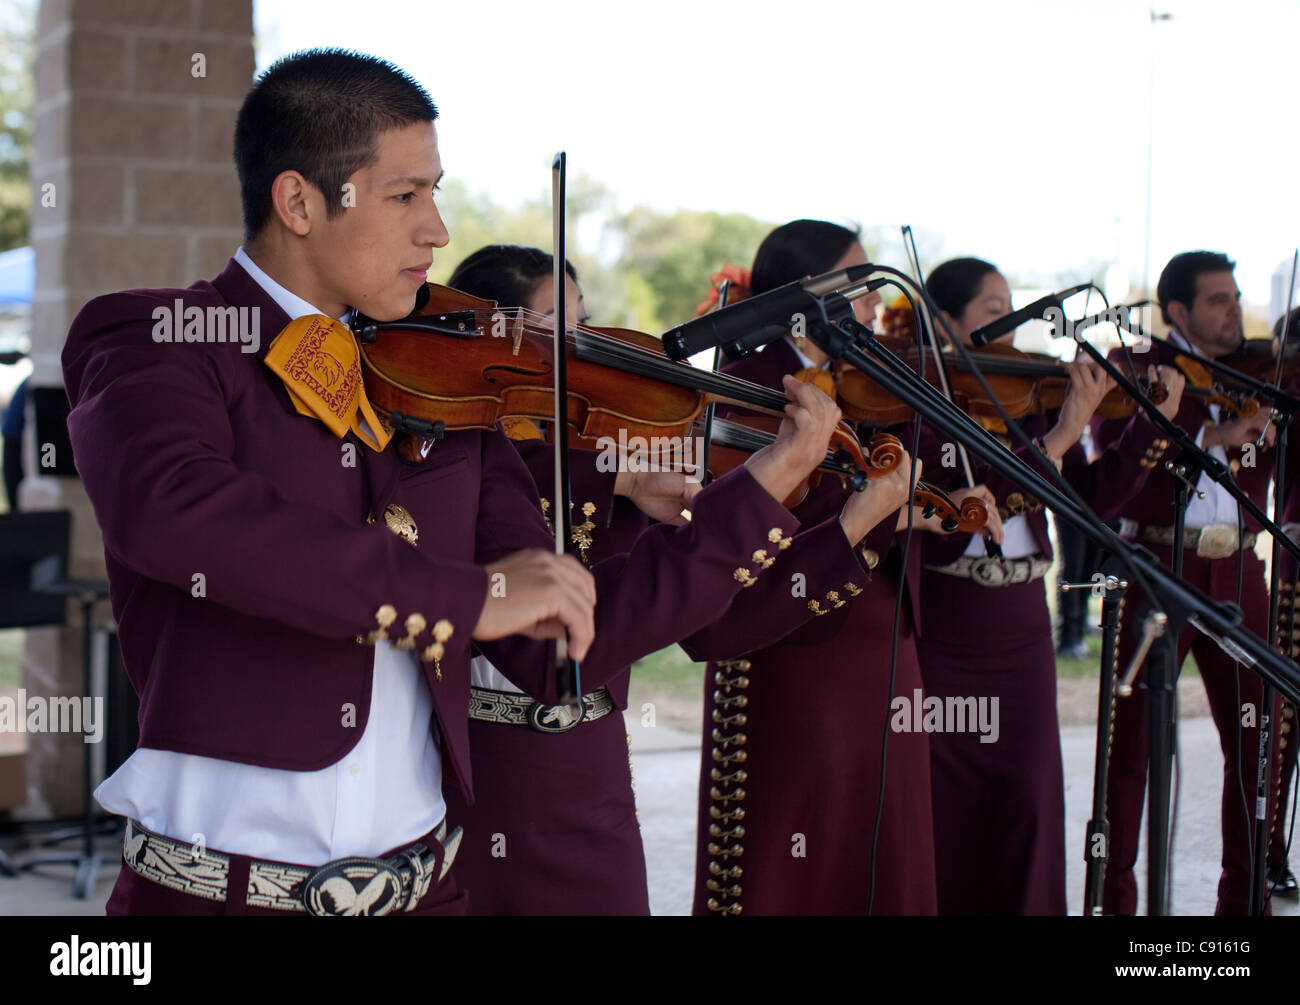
{"type": "Point", "coordinates": [1013, 130]}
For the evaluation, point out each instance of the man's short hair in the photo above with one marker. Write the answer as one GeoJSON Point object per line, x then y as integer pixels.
{"type": "Point", "coordinates": [1178, 280]}
{"type": "Point", "coordinates": [319, 112]}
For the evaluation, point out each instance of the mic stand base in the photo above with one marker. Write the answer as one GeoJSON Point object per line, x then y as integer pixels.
{"type": "Point", "coordinates": [1096, 847]}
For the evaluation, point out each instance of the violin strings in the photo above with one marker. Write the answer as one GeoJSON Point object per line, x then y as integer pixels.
{"type": "Point", "coordinates": [599, 348]}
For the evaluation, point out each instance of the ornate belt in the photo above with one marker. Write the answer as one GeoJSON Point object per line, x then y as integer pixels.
{"type": "Point", "coordinates": [517, 709]}
{"type": "Point", "coordinates": [1214, 540]}
{"type": "Point", "coordinates": [996, 571]}
{"type": "Point", "coordinates": [346, 886]}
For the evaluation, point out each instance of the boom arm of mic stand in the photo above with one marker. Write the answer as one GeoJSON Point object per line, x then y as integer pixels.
{"type": "Point", "coordinates": [1149, 574]}
{"type": "Point", "coordinates": [1214, 366]}
{"type": "Point", "coordinates": [1200, 458]}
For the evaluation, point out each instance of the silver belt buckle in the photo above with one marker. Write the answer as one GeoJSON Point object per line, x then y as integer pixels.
{"type": "Point", "coordinates": [555, 718]}
{"type": "Point", "coordinates": [353, 887]}
{"type": "Point", "coordinates": [1217, 540]}
{"type": "Point", "coordinates": [990, 571]}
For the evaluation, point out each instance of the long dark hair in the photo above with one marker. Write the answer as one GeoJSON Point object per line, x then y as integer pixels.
{"type": "Point", "coordinates": [798, 249]}
{"type": "Point", "coordinates": [954, 284]}
{"type": "Point", "coordinates": [506, 273]}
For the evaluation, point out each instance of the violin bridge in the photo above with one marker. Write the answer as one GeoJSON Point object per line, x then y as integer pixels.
{"type": "Point", "coordinates": [517, 338]}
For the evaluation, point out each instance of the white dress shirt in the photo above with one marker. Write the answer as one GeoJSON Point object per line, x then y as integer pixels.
{"type": "Point", "coordinates": [1017, 540]}
{"type": "Point", "coordinates": [1218, 506]}
{"type": "Point", "coordinates": [385, 792]}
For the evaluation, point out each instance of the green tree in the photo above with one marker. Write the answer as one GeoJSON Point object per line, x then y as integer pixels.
{"type": "Point", "coordinates": [672, 257]}
{"type": "Point", "coordinates": [17, 101]}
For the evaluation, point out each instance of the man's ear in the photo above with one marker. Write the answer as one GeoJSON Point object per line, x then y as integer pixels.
{"type": "Point", "coordinates": [1178, 315]}
{"type": "Point", "coordinates": [295, 202]}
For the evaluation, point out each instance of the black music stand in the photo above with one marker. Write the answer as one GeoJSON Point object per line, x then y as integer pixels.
{"type": "Point", "coordinates": [34, 588]}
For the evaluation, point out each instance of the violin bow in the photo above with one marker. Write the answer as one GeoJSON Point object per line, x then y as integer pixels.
{"type": "Point", "coordinates": [568, 672]}
{"type": "Point", "coordinates": [724, 292]}
{"type": "Point", "coordinates": [925, 329]}
{"type": "Point", "coordinates": [1281, 349]}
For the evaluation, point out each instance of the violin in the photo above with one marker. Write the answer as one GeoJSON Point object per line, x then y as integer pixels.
{"type": "Point", "coordinates": [1257, 358]}
{"type": "Point", "coordinates": [460, 362]}
{"type": "Point", "coordinates": [1021, 383]}
{"type": "Point", "coordinates": [884, 449]}
{"type": "Point", "coordinates": [732, 440]}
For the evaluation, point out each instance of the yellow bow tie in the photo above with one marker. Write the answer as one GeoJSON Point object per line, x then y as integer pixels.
{"type": "Point", "coordinates": [318, 360]}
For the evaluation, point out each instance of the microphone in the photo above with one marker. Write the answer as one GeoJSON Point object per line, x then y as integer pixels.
{"type": "Point", "coordinates": [750, 323]}
{"type": "Point", "coordinates": [1036, 310]}
{"type": "Point", "coordinates": [1117, 316]}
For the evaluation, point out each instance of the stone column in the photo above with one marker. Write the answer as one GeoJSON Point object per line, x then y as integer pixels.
{"type": "Point", "coordinates": [133, 186]}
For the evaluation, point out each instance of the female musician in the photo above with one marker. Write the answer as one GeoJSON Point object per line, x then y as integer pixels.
{"type": "Point", "coordinates": [554, 828]}
{"type": "Point", "coordinates": [998, 794]}
{"type": "Point", "coordinates": [792, 754]}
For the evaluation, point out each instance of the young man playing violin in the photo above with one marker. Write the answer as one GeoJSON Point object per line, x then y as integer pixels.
{"type": "Point", "coordinates": [1200, 302]}
{"type": "Point", "coordinates": [296, 605]}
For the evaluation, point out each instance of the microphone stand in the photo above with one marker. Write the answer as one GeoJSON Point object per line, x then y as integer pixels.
{"type": "Point", "coordinates": [1096, 846]}
{"type": "Point", "coordinates": [1161, 679]}
{"type": "Point", "coordinates": [846, 340]}
{"type": "Point", "coordinates": [1244, 381]}
{"type": "Point", "coordinates": [1192, 458]}
{"type": "Point", "coordinates": [1259, 894]}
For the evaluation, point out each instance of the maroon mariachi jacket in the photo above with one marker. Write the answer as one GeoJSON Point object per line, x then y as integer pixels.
{"type": "Point", "coordinates": [1153, 503]}
{"type": "Point", "coordinates": [242, 568]}
{"type": "Point", "coordinates": [604, 525]}
{"type": "Point", "coordinates": [832, 569]}
{"type": "Point", "coordinates": [1119, 472]}
{"type": "Point", "coordinates": [769, 608]}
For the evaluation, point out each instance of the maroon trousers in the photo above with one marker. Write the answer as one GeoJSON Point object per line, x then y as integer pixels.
{"type": "Point", "coordinates": [553, 829]}
{"type": "Point", "coordinates": [791, 773]}
{"type": "Point", "coordinates": [999, 807]}
{"type": "Point", "coordinates": [134, 895]}
{"type": "Point", "coordinates": [1229, 689]}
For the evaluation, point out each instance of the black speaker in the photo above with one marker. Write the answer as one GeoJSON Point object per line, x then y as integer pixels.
{"type": "Point", "coordinates": [53, 447]}
{"type": "Point", "coordinates": [33, 554]}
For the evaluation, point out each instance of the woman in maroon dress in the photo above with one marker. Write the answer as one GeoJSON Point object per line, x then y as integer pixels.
{"type": "Point", "coordinates": [998, 791]}
{"type": "Point", "coordinates": [554, 827]}
{"type": "Point", "coordinates": [795, 733]}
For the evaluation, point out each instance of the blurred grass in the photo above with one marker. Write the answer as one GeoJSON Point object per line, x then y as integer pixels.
{"type": "Point", "coordinates": [11, 659]}
{"type": "Point", "coordinates": [670, 670]}
{"type": "Point", "coordinates": [1090, 666]}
